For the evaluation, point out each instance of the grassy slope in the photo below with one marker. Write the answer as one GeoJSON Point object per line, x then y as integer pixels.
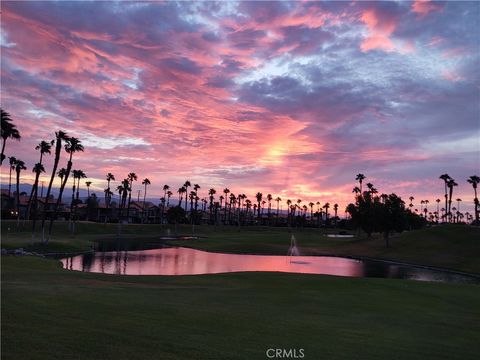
{"type": "Point", "coordinates": [50, 313]}
{"type": "Point", "coordinates": [455, 247]}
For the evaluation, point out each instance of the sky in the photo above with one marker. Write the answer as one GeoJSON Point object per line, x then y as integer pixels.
{"type": "Point", "coordinates": [288, 98]}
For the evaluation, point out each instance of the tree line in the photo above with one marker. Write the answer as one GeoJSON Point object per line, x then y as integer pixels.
{"type": "Point", "coordinates": [232, 208]}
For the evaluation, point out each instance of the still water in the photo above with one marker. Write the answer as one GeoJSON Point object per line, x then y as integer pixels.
{"type": "Point", "coordinates": [184, 261]}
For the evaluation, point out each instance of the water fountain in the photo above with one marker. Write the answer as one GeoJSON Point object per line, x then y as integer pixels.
{"type": "Point", "coordinates": [293, 251]}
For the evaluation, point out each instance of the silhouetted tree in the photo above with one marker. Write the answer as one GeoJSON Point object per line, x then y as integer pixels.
{"type": "Point", "coordinates": [8, 131]}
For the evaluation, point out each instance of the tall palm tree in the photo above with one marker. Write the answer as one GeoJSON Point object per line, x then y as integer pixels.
{"type": "Point", "coordinates": [145, 182]}
{"type": "Point", "coordinates": [269, 201]}
{"type": "Point", "coordinates": [411, 202]}
{"type": "Point", "coordinates": [108, 193]}
{"type": "Point", "coordinates": [186, 185]}
{"type": "Point", "coordinates": [259, 196]}
{"type": "Point", "coordinates": [72, 145]}
{"type": "Point", "coordinates": [335, 209]}
{"type": "Point", "coordinates": [88, 183]}
{"type": "Point", "coordinates": [44, 148]}
{"type": "Point", "coordinates": [289, 204]}
{"type": "Point", "coordinates": [181, 190]}
{"type": "Point", "coordinates": [131, 178]}
{"type": "Point", "coordinates": [78, 175]}
{"type": "Point", "coordinates": [475, 180]}
{"type": "Point", "coordinates": [226, 191]}
{"type": "Point", "coordinates": [191, 197]}
{"type": "Point", "coordinates": [360, 178]}
{"type": "Point", "coordinates": [8, 130]}
{"type": "Point", "coordinates": [438, 206]}
{"type": "Point", "coordinates": [196, 187]}
{"type": "Point", "coordinates": [311, 204]}
{"type": "Point", "coordinates": [37, 169]}
{"type": "Point", "coordinates": [326, 207]}
{"type": "Point", "coordinates": [59, 137]}
{"type": "Point", "coordinates": [451, 184]}
{"type": "Point", "coordinates": [169, 195]}
{"type": "Point", "coordinates": [278, 199]}
{"type": "Point", "coordinates": [458, 200]}
{"type": "Point", "coordinates": [211, 194]}
{"type": "Point", "coordinates": [165, 189]}
{"type": "Point", "coordinates": [445, 178]}
{"type": "Point", "coordinates": [12, 162]}
{"type": "Point", "coordinates": [231, 204]}
{"type": "Point", "coordinates": [19, 166]}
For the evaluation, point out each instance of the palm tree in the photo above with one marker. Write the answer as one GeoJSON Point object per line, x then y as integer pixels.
{"type": "Point", "coordinates": [335, 208]}
{"type": "Point", "coordinates": [12, 161]}
{"type": "Point", "coordinates": [475, 180]}
{"type": "Point", "coordinates": [108, 193]}
{"type": "Point", "coordinates": [186, 185]}
{"type": "Point", "coordinates": [169, 195]}
{"type": "Point", "coordinates": [79, 174]}
{"type": "Point", "coordinates": [72, 146]}
{"type": "Point", "coordinates": [278, 199]}
{"type": "Point", "coordinates": [19, 166]}
{"type": "Point", "coordinates": [181, 190]}
{"type": "Point", "coordinates": [165, 189]}
{"type": "Point", "coordinates": [438, 206]}
{"type": "Point", "coordinates": [8, 130]}
{"type": "Point", "coordinates": [226, 191]}
{"type": "Point", "coordinates": [44, 148]}
{"type": "Point", "coordinates": [371, 189]}
{"type": "Point", "coordinates": [37, 169]}
{"type": "Point", "coordinates": [269, 199]}
{"type": "Point", "coordinates": [326, 207]}
{"type": "Point", "coordinates": [195, 188]}
{"type": "Point", "coordinates": [191, 197]}
{"type": "Point", "coordinates": [445, 178]}
{"type": "Point", "coordinates": [259, 196]}
{"type": "Point", "coordinates": [60, 136]}
{"type": "Point", "coordinates": [411, 202]}
{"type": "Point", "coordinates": [233, 200]}
{"type": "Point", "coordinates": [88, 183]}
{"type": "Point", "coordinates": [131, 178]}
{"type": "Point", "coordinates": [451, 184]}
{"type": "Point", "coordinates": [145, 182]}
{"type": "Point", "coordinates": [289, 204]}
{"type": "Point", "coordinates": [211, 194]}
{"type": "Point", "coordinates": [360, 178]}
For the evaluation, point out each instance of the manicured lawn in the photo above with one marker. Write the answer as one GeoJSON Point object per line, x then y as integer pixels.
{"type": "Point", "coordinates": [51, 313]}
{"type": "Point", "coordinates": [452, 246]}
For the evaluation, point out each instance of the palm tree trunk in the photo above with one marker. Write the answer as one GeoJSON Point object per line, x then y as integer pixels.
{"type": "Point", "coordinates": [3, 150]}
{"type": "Point", "coordinates": [58, 149]}
{"type": "Point", "coordinates": [144, 196]}
{"type": "Point", "coordinates": [59, 199]}
{"type": "Point", "coordinates": [18, 198]}
{"type": "Point", "coordinates": [446, 201]}
{"type": "Point", "coordinates": [34, 217]}
{"type": "Point", "coordinates": [30, 198]}
{"type": "Point", "coordinates": [129, 201]}
{"type": "Point", "coordinates": [476, 205]}
{"type": "Point", "coordinates": [76, 206]}
{"type": "Point", "coordinates": [10, 182]}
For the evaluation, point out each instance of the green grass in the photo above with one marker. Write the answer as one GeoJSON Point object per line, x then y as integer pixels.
{"type": "Point", "coordinates": [452, 246]}
{"type": "Point", "coordinates": [51, 313]}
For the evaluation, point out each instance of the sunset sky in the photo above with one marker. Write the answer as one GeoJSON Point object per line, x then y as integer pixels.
{"type": "Point", "coordinates": [288, 98]}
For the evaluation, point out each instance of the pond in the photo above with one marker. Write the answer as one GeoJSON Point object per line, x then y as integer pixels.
{"type": "Point", "coordinates": [185, 261]}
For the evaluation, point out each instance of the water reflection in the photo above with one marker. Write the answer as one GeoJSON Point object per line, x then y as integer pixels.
{"type": "Point", "coordinates": [184, 261]}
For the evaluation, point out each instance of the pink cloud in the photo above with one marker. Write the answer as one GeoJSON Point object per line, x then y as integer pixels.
{"type": "Point", "coordinates": [380, 28]}
{"type": "Point", "coordinates": [425, 7]}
